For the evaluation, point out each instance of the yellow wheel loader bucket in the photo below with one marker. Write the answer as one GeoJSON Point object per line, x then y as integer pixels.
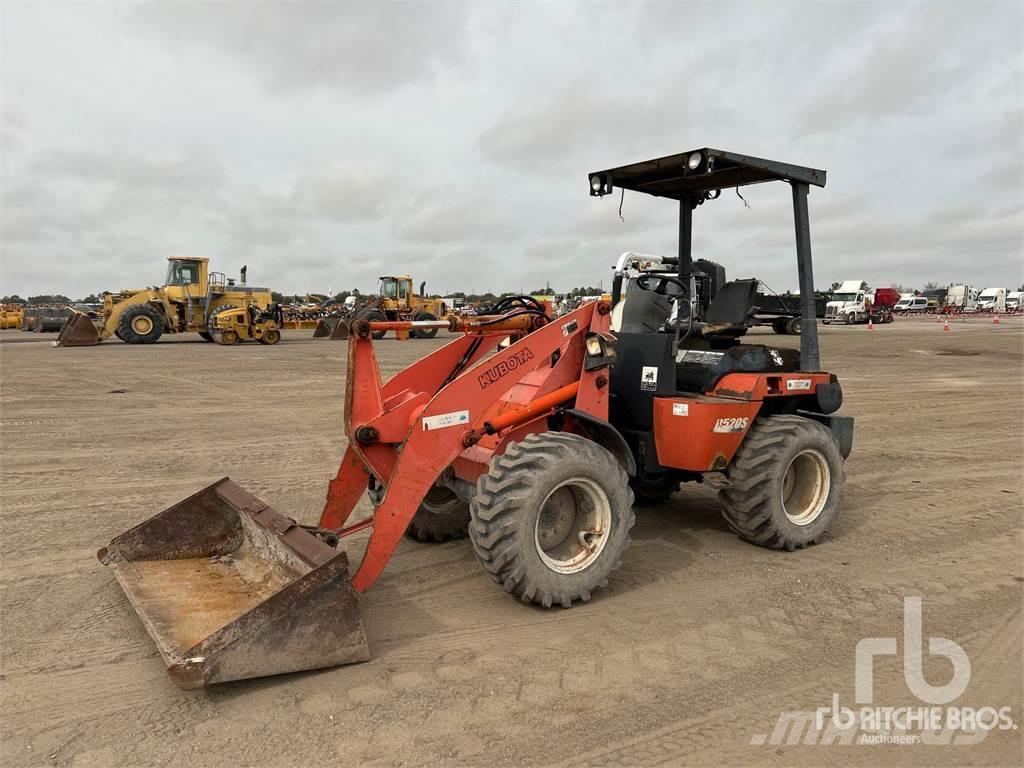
{"type": "Point", "coordinates": [325, 327]}
{"type": "Point", "coordinates": [229, 589]}
{"type": "Point", "coordinates": [78, 331]}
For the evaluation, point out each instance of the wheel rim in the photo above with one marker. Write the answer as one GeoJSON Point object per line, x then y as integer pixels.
{"type": "Point", "coordinates": [142, 324]}
{"type": "Point", "coordinates": [573, 525]}
{"type": "Point", "coordinates": [805, 487]}
{"type": "Point", "coordinates": [229, 337]}
{"type": "Point", "coordinates": [272, 337]}
{"type": "Point", "coordinates": [441, 501]}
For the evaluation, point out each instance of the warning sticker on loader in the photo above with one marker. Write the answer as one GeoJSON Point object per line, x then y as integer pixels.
{"type": "Point", "coordinates": [792, 384]}
{"type": "Point", "coordinates": [649, 378]}
{"type": "Point", "coordinates": [443, 420]}
{"type": "Point", "coordinates": [569, 327]}
{"type": "Point", "coordinates": [680, 409]}
{"type": "Point", "coordinates": [700, 357]}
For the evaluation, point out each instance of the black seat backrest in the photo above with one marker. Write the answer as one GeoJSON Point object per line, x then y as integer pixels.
{"type": "Point", "coordinates": [644, 311]}
{"type": "Point", "coordinates": [733, 303]}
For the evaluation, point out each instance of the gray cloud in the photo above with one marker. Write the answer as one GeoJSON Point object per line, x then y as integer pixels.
{"type": "Point", "coordinates": [359, 48]}
{"type": "Point", "coordinates": [324, 144]}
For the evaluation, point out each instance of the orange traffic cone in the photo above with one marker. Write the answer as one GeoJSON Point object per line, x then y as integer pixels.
{"type": "Point", "coordinates": [995, 319]}
{"type": "Point", "coordinates": [871, 325]}
{"type": "Point", "coordinates": [945, 326]}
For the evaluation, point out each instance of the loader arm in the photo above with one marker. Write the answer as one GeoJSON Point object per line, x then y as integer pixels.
{"type": "Point", "coordinates": [409, 431]}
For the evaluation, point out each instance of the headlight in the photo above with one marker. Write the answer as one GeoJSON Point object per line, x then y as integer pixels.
{"type": "Point", "coordinates": [595, 183]}
{"type": "Point", "coordinates": [600, 352]}
{"type": "Point", "coordinates": [694, 161]}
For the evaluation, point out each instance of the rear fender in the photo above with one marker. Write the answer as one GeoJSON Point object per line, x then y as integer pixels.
{"type": "Point", "coordinates": [841, 426]}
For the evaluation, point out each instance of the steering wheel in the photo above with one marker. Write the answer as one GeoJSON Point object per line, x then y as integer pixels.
{"type": "Point", "coordinates": [643, 283]}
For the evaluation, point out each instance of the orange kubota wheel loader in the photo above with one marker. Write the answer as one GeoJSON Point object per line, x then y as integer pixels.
{"type": "Point", "coordinates": [531, 432]}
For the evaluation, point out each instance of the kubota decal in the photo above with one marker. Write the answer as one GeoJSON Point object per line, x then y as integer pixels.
{"type": "Point", "coordinates": [735, 424]}
{"type": "Point", "coordinates": [495, 372]}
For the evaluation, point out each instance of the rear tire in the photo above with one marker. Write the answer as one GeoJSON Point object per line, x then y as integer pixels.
{"type": "Point", "coordinates": [442, 516]}
{"type": "Point", "coordinates": [425, 334]}
{"type": "Point", "coordinates": [794, 325]}
{"type": "Point", "coordinates": [786, 483]}
{"type": "Point", "coordinates": [551, 518]}
{"type": "Point", "coordinates": [779, 325]}
{"type": "Point", "coordinates": [140, 324]}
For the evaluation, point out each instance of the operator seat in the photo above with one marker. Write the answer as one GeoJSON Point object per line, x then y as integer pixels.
{"type": "Point", "coordinates": [644, 312]}
{"type": "Point", "coordinates": [729, 312]}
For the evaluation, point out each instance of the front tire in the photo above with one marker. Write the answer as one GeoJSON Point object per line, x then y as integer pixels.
{"type": "Point", "coordinates": [551, 518]}
{"type": "Point", "coordinates": [442, 516]}
{"type": "Point", "coordinates": [140, 324]}
{"type": "Point", "coordinates": [786, 482]}
{"type": "Point", "coordinates": [794, 325]}
{"type": "Point", "coordinates": [228, 338]}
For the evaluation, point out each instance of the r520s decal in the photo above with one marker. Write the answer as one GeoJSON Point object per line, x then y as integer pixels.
{"type": "Point", "coordinates": [733, 424]}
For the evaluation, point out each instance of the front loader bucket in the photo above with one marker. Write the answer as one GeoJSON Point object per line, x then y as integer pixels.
{"type": "Point", "coordinates": [78, 331]}
{"type": "Point", "coordinates": [325, 327]}
{"type": "Point", "coordinates": [340, 330]}
{"type": "Point", "coordinates": [229, 589]}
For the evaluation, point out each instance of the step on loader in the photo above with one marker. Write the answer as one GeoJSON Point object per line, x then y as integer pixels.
{"type": "Point", "coordinates": [534, 436]}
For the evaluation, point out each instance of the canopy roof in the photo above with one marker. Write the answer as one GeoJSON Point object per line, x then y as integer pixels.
{"type": "Point", "coordinates": [673, 176]}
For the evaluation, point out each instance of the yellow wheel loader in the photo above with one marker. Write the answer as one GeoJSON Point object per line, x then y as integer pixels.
{"type": "Point", "coordinates": [185, 303]}
{"type": "Point", "coordinates": [398, 302]}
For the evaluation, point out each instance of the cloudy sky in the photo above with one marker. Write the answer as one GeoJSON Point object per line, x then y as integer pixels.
{"type": "Point", "coordinates": [325, 143]}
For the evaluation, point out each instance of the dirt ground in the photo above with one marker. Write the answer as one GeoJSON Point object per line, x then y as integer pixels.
{"type": "Point", "coordinates": [690, 658]}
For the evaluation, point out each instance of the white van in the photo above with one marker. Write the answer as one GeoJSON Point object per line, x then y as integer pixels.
{"type": "Point", "coordinates": [913, 304]}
